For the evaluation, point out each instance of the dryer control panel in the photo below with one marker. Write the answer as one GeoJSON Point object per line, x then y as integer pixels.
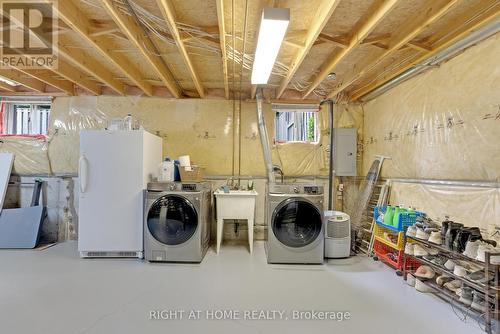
{"type": "Point", "coordinates": [312, 190]}
{"type": "Point", "coordinates": [295, 188]}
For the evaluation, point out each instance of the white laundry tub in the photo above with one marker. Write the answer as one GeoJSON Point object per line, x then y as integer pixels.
{"type": "Point", "coordinates": [237, 204]}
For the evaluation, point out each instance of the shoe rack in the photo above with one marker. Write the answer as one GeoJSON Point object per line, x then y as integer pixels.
{"type": "Point", "coordinates": [490, 289]}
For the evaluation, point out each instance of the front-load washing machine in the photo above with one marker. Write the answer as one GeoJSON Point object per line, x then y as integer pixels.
{"type": "Point", "coordinates": [177, 221]}
{"type": "Point", "coordinates": [295, 224]}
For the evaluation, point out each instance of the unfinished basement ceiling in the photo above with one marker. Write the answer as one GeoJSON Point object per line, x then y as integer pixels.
{"type": "Point", "coordinates": [172, 48]}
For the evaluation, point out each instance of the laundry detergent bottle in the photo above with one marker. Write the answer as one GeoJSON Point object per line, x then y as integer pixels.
{"type": "Point", "coordinates": [389, 215]}
{"type": "Point", "coordinates": [395, 218]}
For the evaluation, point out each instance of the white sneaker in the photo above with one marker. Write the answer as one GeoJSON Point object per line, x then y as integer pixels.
{"type": "Point", "coordinates": [410, 280]}
{"type": "Point", "coordinates": [450, 265]}
{"type": "Point", "coordinates": [453, 285]}
{"type": "Point", "coordinates": [422, 287]}
{"type": "Point", "coordinates": [459, 271]}
{"type": "Point", "coordinates": [471, 248]}
{"type": "Point", "coordinates": [465, 294]}
{"type": "Point", "coordinates": [421, 234]}
{"type": "Point", "coordinates": [409, 249]}
{"type": "Point", "coordinates": [432, 251]}
{"type": "Point", "coordinates": [478, 302]}
{"type": "Point", "coordinates": [435, 238]}
{"type": "Point", "coordinates": [419, 250]}
{"type": "Point", "coordinates": [482, 249]}
{"type": "Point", "coordinates": [411, 231]}
{"type": "Point", "coordinates": [441, 280]}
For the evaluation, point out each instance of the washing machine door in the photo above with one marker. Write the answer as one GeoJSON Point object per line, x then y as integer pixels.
{"type": "Point", "coordinates": [172, 220]}
{"type": "Point", "coordinates": [296, 222]}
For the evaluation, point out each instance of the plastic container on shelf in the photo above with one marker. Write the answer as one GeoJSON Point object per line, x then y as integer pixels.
{"type": "Point", "coordinates": [381, 232]}
{"type": "Point", "coordinates": [405, 218]}
{"type": "Point", "coordinates": [396, 260]}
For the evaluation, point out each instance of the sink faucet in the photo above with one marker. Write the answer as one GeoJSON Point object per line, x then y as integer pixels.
{"type": "Point", "coordinates": [232, 183]}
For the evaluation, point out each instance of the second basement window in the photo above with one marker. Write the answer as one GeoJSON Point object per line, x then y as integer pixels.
{"type": "Point", "coordinates": [296, 124]}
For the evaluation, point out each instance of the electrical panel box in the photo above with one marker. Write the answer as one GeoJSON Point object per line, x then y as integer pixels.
{"type": "Point", "coordinates": [345, 149]}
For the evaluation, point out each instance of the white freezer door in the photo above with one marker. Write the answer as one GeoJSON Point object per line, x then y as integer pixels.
{"type": "Point", "coordinates": [111, 184]}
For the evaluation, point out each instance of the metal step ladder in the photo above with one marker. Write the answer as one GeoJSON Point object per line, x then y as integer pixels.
{"type": "Point", "coordinates": [364, 221]}
{"type": "Point", "coordinates": [378, 198]}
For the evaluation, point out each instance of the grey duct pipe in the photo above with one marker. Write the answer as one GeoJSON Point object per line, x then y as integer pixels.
{"type": "Point", "coordinates": [331, 171]}
{"type": "Point", "coordinates": [474, 38]}
{"type": "Point", "coordinates": [264, 138]}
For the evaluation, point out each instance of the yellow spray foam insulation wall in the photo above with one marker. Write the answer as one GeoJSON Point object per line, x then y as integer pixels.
{"type": "Point", "coordinates": [442, 124]}
{"type": "Point", "coordinates": [201, 128]}
{"type": "Point", "coordinates": [30, 154]}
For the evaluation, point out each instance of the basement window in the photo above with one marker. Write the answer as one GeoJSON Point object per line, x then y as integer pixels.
{"type": "Point", "coordinates": [26, 119]}
{"type": "Point", "coordinates": [296, 123]}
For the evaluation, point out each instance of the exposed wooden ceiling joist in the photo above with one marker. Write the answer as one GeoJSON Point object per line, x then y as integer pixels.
{"type": "Point", "coordinates": [222, 39]}
{"type": "Point", "coordinates": [167, 10]}
{"type": "Point", "coordinates": [82, 60]}
{"type": "Point", "coordinates": [47, 77]}
{"type": "Point", "coordinates": [323, 13]}
{"type": "Point", "coordinates": [131, 28]}
{"type": "Point", "coordinates": [419, 46]}
{"type": "Point", "coordinates": [454, 35]}
{"type": "Point", "coordinates": [7, 87]}
{"type": "Point", "coordinates": [77, 77]}
{"type": "Point", "coordinates": [376, 39]}
{"type": "Point", "coordinates": [22, 79]}
{"type": "Point", "coordinates": [434, 12]}
{"type": "Point", "coordinates": [70, 14]}
{"type": "Point", "coordinates": [357, 37]}
{"type": "Point", "coordinates": [85, 62]}
{"type": "Point", "coordinates": [340, 41]}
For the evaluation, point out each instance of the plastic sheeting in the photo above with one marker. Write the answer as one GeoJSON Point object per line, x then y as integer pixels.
{"type": "Point", "coordinates": [82, 113]}
{"type": "Point", "coordinates": [469, 205]}
{"type": "Point", "coordinates": [201, 128]}
{"type": "Point", "coordinates": [443, 124]}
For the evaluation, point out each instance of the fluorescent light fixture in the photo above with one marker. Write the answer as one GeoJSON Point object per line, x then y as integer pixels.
{"type": "Point", "coordinates": [271, 33]}
{"type": "Point", "coordinates": [8, 82]}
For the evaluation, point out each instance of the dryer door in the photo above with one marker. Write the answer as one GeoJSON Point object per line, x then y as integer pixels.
{"type": "Point", "coordinates": [296, 222]}
{"type": "Point", "coordinates": [172, 220]}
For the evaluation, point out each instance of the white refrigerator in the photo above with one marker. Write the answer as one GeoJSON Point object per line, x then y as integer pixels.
{"type": "Point", "coordinates": [114, 169]}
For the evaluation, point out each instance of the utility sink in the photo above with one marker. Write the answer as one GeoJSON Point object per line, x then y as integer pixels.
{"type": "Point", "coordinates": [236, 204]}
{"type": "Point", "coordinates": [220, 192]}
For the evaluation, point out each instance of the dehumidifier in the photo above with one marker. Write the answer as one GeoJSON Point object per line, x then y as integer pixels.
{"type": "Point", "coordinates": [337, 234]}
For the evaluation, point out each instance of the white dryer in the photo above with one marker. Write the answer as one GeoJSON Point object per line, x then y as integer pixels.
{"type": "Point", "coordinates": [177, 221]}
{"type": "Point", "coordinates": [295, 224]}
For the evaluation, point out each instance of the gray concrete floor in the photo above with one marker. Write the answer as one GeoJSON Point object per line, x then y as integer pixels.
{"type": "Point", "coordinates": [53, 291]}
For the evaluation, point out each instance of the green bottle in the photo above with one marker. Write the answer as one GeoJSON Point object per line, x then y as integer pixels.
{"type": "Point", "coordinates": [389, 215]}
{"type": "Point", "coordinates": [395, 218]}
